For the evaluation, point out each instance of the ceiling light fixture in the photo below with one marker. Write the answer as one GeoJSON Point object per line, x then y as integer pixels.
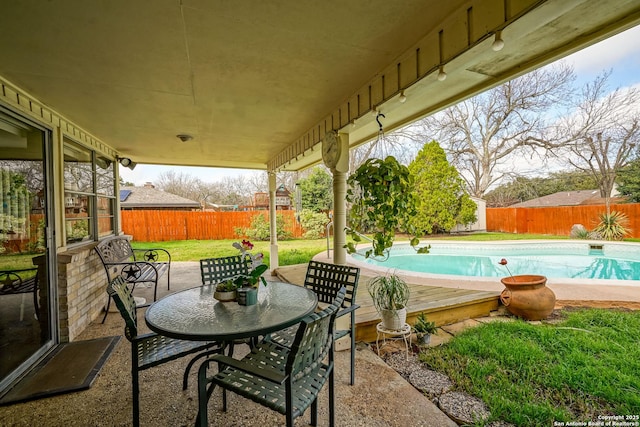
{"type": "Point", "coordinates": [442, 76]}
{"type": "Point", "coordinates": [402, 98]}
{"type": "Point", "coordinates": [498, 43]}
{"type": "Point", "coordinates": [184, 137]}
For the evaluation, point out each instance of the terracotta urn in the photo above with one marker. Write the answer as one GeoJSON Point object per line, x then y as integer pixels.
{"type": "Point", "coordinates": [527, 296]}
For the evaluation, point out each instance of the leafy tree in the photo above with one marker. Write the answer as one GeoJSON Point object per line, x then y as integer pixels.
{"type": "Point", "coordinates": [440, 197]}
{"type": "Point", "coordinates": [316, 190]}
{"type": "Point", "coordinates": [629, 181]}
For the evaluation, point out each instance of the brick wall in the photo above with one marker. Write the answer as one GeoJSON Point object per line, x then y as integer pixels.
{"type": "Point", "coordinates": [81, 290]}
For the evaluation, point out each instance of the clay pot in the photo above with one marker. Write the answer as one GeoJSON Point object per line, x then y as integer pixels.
{"type": "Point", "coordinates": [527, 296]}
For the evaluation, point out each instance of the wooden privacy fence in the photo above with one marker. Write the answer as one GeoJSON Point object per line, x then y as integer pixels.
{"type": "Point", "coordinates": [557, 220]}
{"type": "Point", "coordinates": [164, 225]}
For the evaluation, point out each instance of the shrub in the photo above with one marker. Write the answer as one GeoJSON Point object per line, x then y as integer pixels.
{"type": "Point", "coordinates": [259, 229]}
{"type": "Point", "coordinates": [314, 224]}
{"type": "Point", "coordinates": [612, 226]}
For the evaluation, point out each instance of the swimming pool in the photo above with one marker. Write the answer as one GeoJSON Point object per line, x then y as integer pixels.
{"type": "Point", "coordinates": [553, 259]}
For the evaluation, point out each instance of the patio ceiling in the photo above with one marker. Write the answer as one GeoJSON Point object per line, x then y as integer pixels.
{"type": "Point", "coordinates": [257, 83]}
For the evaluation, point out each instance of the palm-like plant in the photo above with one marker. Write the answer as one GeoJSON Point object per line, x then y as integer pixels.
{"type": "Point", "coordinates": [389, 292]}
{"type": "Point", "coordinates": [612, 226]}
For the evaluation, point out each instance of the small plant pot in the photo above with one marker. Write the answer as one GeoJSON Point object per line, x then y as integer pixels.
{"type": "Point", "coordinates": [247, 296]}
{"type": "Point", "coordinates": [394, 319]}
{"type": "Point", "coordinates": [225, 296]}
{"type": "Point", "coordinates": [424, 339]}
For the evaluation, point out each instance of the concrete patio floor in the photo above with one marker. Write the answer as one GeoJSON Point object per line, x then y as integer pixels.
{"type": "Point", "coordinates": [380, 397]}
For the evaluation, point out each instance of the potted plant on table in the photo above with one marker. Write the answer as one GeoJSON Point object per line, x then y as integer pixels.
{"type": "Point", "coordinates": [390, 294]}
{"type": "Point", "coordinates": [226, 290]}
{"type": "Point", "coordinates": [236, 287]}
{"type": "Point", "coordinates": [248, 283]}
{"type": "Point", "coordinates": [424, 328]}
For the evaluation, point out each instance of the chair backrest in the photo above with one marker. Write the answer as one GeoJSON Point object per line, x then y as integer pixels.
{"type": "Point", "coordinates": [215, 270]}
{"type": "Point", "coordinates": [327, 279]}
{"type": "Point", "coordinates": [314, 340]}
{"type": "Point", "coordinates": [114, 249]}
{"type": "Point", "coordinates": [122, 296]}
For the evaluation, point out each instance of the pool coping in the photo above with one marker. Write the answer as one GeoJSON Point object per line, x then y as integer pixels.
{"type": "Point", "coordinates": [565, 289]}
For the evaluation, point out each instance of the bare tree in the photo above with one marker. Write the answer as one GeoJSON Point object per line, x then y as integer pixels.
{"type": "Point", "coordinates": [401, 144]}
{"type": "Point", "coordinates": [603, 132]}
{"type": "Point", "coordinates": [482, 134]}
{"type": "Point", "coordinates": [183, 185]}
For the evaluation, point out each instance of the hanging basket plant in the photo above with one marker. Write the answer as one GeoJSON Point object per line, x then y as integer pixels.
{"type": "Point", "coordinates": [382, 202]}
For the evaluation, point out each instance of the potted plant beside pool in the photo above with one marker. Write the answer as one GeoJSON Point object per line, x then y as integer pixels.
{"type": "Point", "coordinates": [390, 296]}
{"type": "Point", "coordinates": [423, 329]}
{"type": "Point", "coordinates": [527, 295]}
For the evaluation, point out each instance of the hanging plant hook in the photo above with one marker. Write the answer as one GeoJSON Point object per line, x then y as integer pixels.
{"type": "Point", "coordinates": [378, 120]}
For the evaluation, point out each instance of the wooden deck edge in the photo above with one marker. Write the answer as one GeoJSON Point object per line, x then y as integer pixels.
{"type": "Point", "coordinates": [443, 315]}
{"type": "Point", "coordinates": [435, 306]}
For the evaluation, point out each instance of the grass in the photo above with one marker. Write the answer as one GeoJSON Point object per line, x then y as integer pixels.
{"type": "Point", "coordinates": [533, 375]}
{"type": "Point", "coordinates": [289, 251]}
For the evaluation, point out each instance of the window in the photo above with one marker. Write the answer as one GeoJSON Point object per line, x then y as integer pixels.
{"type": "Point", "coordinates": [89, 194]}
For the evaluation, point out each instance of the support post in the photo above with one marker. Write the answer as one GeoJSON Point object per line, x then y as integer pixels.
{"type": "Point", "coordinates": [273, 249]}
{"type": "Point", "coordinates": [339, 217]}
{"type": "Point", "coordinates": [340, 202]}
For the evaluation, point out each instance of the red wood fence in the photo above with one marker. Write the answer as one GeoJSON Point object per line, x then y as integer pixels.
{"type": "Point", "coordinates": [557, 220]}
{"type": "Point", "coordinates": [164, 225]}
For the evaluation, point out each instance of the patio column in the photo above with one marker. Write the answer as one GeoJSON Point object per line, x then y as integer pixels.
{"type": "Point", "coordinates": [273, 250]}
{"type": "Point", "coordinates": [340, 202]}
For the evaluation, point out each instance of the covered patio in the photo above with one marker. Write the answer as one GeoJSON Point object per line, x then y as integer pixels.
{"type": "Point", "coordinates": [373, 401]}
{"type": "Point", "coordinates": [87, 86]}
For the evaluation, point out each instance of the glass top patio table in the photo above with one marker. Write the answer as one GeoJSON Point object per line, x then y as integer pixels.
{"type": "Point", "coordinates": [194, 314]}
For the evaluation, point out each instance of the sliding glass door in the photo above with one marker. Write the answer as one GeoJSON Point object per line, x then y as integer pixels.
{"type": "Point", "coordinates": [26, 310]}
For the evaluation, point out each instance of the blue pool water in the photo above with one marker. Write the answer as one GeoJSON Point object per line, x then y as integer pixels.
{"type": "Point", "coordinates": [553, 259]}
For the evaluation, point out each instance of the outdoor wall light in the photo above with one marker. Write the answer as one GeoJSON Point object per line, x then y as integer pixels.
{"type": "Point", "coordinates": [127, 162]}
{"type": "Point", "coordinates": [498, 43]}
{"type": "Point", "coordinates": [402, 98]}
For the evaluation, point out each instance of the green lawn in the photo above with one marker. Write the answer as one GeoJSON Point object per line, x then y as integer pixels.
{"type": "Point", "coordinates": [289, 251]}
{"type": "Point", "coordinates": [533, 375]}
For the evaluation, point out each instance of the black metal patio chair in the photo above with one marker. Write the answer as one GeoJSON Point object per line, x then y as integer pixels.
{"type": "Point", "coordinates": [215, 270]}
{"type": "Point", "coordinates": [325, 280]}
{"type": "Point", "coordinates": [287, 380]}
{"type": "Point", "coordinates": [151, 349]}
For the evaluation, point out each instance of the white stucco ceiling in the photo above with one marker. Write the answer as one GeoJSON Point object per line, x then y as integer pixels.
{"type": "Point", "coordinates": [250, 80]}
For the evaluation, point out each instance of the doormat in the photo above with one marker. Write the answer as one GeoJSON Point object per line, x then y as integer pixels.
{"type": "Point", "coordinates": [69, 367]}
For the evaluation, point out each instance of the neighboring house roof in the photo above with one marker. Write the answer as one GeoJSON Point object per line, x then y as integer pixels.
{"type": "Point", "coordinates": [563, 198]}
{"type": "Point", "coordinates": [150, 197]}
